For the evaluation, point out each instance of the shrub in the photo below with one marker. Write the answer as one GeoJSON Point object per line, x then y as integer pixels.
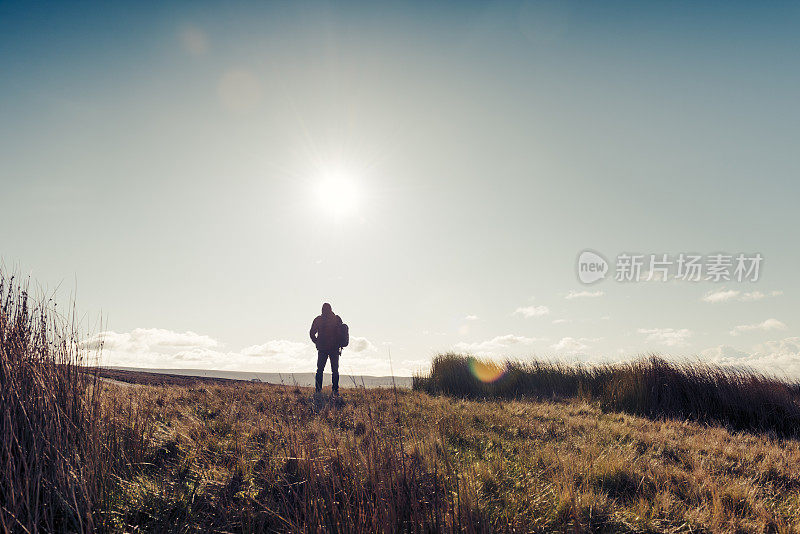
{"type": "Point", "coordinates": [651, 386]}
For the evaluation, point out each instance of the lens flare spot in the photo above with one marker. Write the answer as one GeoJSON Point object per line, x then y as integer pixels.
{"type": "Point", "coordinates": [486, 371]}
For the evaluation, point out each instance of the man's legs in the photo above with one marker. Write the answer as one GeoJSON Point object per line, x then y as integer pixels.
{"type": "Point", "coordinates": [322, 358]}
{"type": "Point", "coordinates": [335, 371]}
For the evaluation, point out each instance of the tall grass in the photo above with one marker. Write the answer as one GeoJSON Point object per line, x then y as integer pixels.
{"type": "Point", "coordinates": [469, 377]}
{"type": "Point", "coordinates": [78, 454]}
{"type": "Point", "coordinates": [49, 407]}
{"type": "Point", "coordinates": [738, 398]}
{"type": "Point", "coordinates": [260, 458]}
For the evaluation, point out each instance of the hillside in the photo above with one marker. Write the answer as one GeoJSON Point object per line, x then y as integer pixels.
{"type": "Point", "coordinates": [645, 446]}
{"type": "Point", "coordinates": [257, 457]}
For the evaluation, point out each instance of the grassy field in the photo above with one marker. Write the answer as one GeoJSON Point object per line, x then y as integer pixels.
{"type": "Point", "coordinates": [477, 447]}
{"type": "Point", "coordinates": [157, 379]}
{"type": "Point", "coordinates": [253, 457]}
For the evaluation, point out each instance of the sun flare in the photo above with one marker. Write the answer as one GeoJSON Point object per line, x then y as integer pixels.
{"type": "Point", "coordinates": [338, 194]}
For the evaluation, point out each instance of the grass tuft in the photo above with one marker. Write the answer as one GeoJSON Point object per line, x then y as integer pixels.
{"type": "Point", "coordinates": [653, 387]}
{"type": "Point", "coordinates": [49, 429]}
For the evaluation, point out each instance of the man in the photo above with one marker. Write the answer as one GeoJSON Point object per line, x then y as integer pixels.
{"type": "Point", "coordinates": [325, 335]}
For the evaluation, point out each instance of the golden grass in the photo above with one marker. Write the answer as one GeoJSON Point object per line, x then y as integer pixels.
{"type": "Point", "coordinates": [51, 464]}
{"type": "Point", "coordinates": [80, 455]}
{"type": "Point", "coordinates": [738, 398]}
{"type": "Point", "coordinates": [259, 457]}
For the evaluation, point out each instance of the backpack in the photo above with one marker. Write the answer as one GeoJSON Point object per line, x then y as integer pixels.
{"type": "Point", "coordinates": [344, 335]}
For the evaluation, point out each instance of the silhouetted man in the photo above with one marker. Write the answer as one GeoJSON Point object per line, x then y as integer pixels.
{"type": "Point", "coordinates": [325, 335]}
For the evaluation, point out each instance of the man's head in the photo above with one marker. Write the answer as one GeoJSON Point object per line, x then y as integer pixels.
{"type": "Point", "coordinates": [326, 309]}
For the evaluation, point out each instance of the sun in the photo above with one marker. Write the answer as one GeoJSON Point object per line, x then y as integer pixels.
{"type": "Point", "coordinates": [337, 193]}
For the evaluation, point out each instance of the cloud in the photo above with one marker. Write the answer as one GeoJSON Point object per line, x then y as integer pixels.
{"type": "Point", "coordinates": [666, 336]}
{"type": "Point", "coordinates": [584, 294]}
{"type": "Point", "coordinates": [532, 311]}
{"type": "Point", "coordinates": [471, 318]}
{"type": "Point", "coordinates": [724, 354]}
{"type": "Point", "coordinates": [720, 296]}
{"type": "Point", "coordinates": [769, 324]}
{"type": "Point", "coordinates": [149, 339]}
{"type": "Point", "coordinates": [361, 344]}
{"type": "Point", "coordinates": [786, 346]}
{"type": "Point", "coordinates": [758, 295]}
{"type": "Point", "coordinates": [166, 349]}
{"type": "Point", "coordinates": [725, 295]}
{"type": "Point", "coordinates": [560, 321]}
{"type": "Point", "coordinates": [780, 357]}
{"type": "Point", "coordinates": [277, 347]}
{"type": "Point", "coordinates": [570, 345]}
{"type": "Point", "coordinates": [494, 345]}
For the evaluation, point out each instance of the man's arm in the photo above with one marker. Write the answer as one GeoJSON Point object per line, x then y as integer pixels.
{"type": "Point", "coordinates": [314, 330]}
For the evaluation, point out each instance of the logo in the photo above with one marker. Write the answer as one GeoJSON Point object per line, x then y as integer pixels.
{"type": "Point", "coordinates": [685, 267]}
{"type": "Point", "coordinates": [592, 267]}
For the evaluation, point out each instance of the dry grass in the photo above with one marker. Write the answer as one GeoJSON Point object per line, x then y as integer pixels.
{"type": "Point", "coordinates": [82, 455]}
{"type": "Point", "coordinates": [737, 398]}
{"type": "Point", "coordinates": [49, 434]}
{"type": "Point", "coordinates": [259, 457]}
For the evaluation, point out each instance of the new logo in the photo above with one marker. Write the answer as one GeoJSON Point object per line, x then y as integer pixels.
{"type": "Point", "coordinates": [592, 267]}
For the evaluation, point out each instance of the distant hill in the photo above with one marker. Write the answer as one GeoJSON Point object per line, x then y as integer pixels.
{"type": "Point", "coordinates": [290, 379]}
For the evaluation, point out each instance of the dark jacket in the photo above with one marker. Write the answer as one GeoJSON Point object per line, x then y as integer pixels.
{"type": "Point", "coordinates": [325, 332]}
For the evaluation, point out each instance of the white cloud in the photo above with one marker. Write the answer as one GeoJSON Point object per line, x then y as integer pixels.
{"type": "Point", "coordinates": [471, 318]}
{"type": "Point", "coordinates": [495, 345]}
{"type": "Point", "coordinates": [724, 354]}
{"type": "Point", "coordinates": [584, 294]}
{"type": "Point", "coordinates": [165, 349]}
{"type": "Point", "coordinates": [149, 339]}
{"type": "Point", "coordinates": [560, 321]}
{"type": "Point", "coordinates": [758, 295]}
{"type": "Point", "coordinates": [781, 357]}
{"type": "Point", "coordinates": [361, 344]}
{"type": "Point", "coordinates": [769, 324]}
{"type": "Point", "coordinates": [786, 346]}
{"type": "Point", "coordinates": [570, 345]}
{"type": "Point", "coordinates": [667, 336]}
{"type": "Point", "coordinates": [721, 296]}
{"type": "Point", "coordinates": [725, 295]}
{"type": "Point", "coordinates": [277, 348]}
{"type": "Point", "coordinates": [532, 311]}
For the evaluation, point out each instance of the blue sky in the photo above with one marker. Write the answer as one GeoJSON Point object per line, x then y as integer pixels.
{"type": "Point", "coordinates": [165, 162]}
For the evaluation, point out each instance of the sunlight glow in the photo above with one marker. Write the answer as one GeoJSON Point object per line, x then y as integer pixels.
{"type": "Point", "coordinates": [337, 194]}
